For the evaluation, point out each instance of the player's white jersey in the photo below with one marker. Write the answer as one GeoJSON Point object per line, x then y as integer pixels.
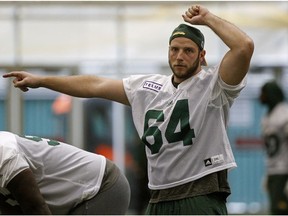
{"type": "Point", "coordinates": [275, 131]}
{"type": "Point", "coordinates": [184, 128]}
{"type": "Point", "coordinates": [65, 174]}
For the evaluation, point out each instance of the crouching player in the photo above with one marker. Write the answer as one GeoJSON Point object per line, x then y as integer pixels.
{"type": "Point", "coordinates": [42, 176]}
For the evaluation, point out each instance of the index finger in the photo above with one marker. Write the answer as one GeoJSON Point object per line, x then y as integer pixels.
{"type": "Point", "coordinates": [11, 74]}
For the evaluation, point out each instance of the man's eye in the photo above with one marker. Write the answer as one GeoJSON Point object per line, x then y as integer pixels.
{"type": "Point", "coordinates": [188, 50]}
{"type": "Point", "coordinates": [173, 49]}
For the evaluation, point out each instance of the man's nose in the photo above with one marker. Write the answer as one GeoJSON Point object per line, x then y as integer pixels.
{"type": "Point", "coordinates": [180, 54]}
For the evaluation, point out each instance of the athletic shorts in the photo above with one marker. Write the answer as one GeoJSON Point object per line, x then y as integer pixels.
{"type": "Point", "coordinates": [113, 197]}
{"type": "Point", "coordinates": [210, 204]}
{"type": "Point", "coordinates": [278, 199]}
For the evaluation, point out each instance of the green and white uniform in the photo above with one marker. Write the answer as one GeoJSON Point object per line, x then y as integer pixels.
{"type": "Point", "coordinates": [275, 132]}
{"type": "Point", "coordinates": [183, 128]}
{"type": "Point", "coordinates": [66, 175]}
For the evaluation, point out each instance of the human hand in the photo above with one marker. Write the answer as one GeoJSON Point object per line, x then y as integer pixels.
{"type": "Point", "coordinates": [195, 15]}
{"type": "Point", "coordinates": [23, 80]}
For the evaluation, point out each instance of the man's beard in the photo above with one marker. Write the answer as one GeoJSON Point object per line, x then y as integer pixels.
{"type": "Point", "coordinates": [190, 71]}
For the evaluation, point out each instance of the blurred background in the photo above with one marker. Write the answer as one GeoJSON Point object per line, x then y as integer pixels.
{"type": "Point", "coordinates": [117, 39]}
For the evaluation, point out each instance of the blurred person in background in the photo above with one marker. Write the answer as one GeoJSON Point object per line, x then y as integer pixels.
{"type": "Point", "coordinates": [275, 135]}
{"type": "Point", "coordinates": [43, 176]}
{"type": "Point", "coordinates": [181, 118]}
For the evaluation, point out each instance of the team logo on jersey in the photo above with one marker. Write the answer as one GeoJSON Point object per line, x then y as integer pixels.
{"type": "Point", "coordinates": [152, 86]}
{"type": "Point", "coordinates": [217, 159]}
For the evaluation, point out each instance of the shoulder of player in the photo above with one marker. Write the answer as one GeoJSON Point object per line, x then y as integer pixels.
{"type": "Point", "coordinates": [8, 147]}
{"type": "Point", "coordinates": [282, 109]}
{"type": "Point", "coordinates": [147, 80]}
{"type": "Point", "coordinates": [7, 139]}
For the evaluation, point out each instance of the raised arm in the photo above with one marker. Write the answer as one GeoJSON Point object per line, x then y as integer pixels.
{"type": "Point", "coordinates": [235, 64]}
{"type": "Point", "coordinates": [85, 86]}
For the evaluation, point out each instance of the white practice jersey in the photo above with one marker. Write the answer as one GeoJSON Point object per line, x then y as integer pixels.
{"type": "Point", "coordinates": [275, 132]}
{"type": "Point", "coordinates": [184, 128]}
{"type": "Point", "coordinates": [66, 175]}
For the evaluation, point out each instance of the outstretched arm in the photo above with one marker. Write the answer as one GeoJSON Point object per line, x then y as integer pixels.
{"type": "Point", "coordinates": [86, 86]}
{"type": "Point", "coordinates": [236, 62]}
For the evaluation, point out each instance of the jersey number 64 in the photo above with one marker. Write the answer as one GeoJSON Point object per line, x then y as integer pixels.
{"type": "Point", "coordinates": [178, 128]}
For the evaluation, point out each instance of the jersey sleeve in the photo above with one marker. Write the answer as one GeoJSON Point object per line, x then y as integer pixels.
{"type": "Point", "coordinates": [131, 85]}
{"type": "Point", "coordinates": [232, 91]}
{"type": "Point", "coordinates": [11, 161]}
{"type": "Point", "coordinates": [127, 88]}
{"type": "Point", "coordinates": [222, 93]}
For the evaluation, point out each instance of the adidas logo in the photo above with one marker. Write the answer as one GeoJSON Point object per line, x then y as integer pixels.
{"type": "Point", "coordinates": [216, 159]}
{"type": "Point", "coordinates": [208, 162]}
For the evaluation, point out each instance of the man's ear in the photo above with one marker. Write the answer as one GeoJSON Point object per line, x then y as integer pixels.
{"type": "Point", "coordinates": [203, 61]}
